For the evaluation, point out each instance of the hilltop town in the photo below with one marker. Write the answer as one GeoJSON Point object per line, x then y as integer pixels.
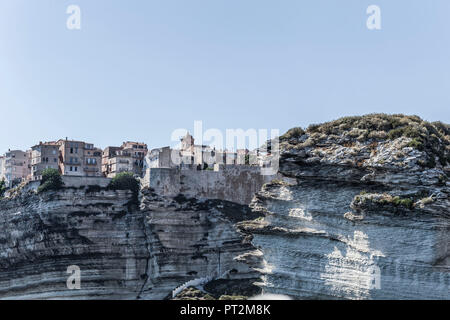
{"type": "Point", "coordinates": [82, 159]}
{"type": "Point", "coordinates": [358, 209]}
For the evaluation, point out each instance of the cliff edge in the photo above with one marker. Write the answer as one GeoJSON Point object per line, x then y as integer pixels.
{"type": "Point", "coordinates": [361, 211]}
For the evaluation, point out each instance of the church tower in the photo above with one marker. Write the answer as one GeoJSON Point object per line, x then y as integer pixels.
{"type": "Point", "coordinates": [187, 142]}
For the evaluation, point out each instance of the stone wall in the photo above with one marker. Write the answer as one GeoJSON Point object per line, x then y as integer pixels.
{"type": "Point", "coordinates": [77, 182]}
{"type": "Point", "coordinates": [72, 182]}
{"type": "Point", "coordinates": [231, 183]}
{"type": "Point", "coordinates": [32, 185]}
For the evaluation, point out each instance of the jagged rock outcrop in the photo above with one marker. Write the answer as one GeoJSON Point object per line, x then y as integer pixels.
{"type": "Point", "coordinates": [122, 252]}
{"type": "Point", "coordinates": [192, 239]}
{"type": "Point", "coordinates": [361, 212]}
{"type": "Point", "coordinates": [42, 235]}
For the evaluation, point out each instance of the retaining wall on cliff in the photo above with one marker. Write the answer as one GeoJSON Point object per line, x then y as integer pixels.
{"type": "Point", "coordinates": [72, 182]}
{"type": "Point", "coordinates": [231, 183]}
{"type": "Point", "coordinates": [77, 182]}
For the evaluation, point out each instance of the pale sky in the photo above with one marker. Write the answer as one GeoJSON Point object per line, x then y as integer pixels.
{"type": "Point", "coordinates": [138, 70]}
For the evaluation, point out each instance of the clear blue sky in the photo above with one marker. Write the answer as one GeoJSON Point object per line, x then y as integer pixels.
{"type": "Point", "coordinates": [137, 70]}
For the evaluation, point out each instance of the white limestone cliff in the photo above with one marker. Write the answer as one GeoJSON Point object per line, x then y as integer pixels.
{"type": "Point", "coordinates": [355, 218]}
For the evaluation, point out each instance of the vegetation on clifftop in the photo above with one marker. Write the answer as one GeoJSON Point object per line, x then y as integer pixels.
{"type": "Point", "coordinates": [125, 181]}
{"type": "Point", "coordinates": [2, 188]}
{"type": "Point", "coordinates": [365, 199]}
{"type": "Point", "coordinates": [222, 289]}
{"type": "Point", "coordinates": [432, 138]}
{"type": "Point", "coordinates": [51, 180]}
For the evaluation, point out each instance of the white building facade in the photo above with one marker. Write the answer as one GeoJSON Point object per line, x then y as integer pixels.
{"type": "Point", "coordinates": [17, 166]}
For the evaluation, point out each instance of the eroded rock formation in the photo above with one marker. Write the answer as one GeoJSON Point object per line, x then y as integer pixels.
{"type": "Point", "coordinates": [42, 235]}
{"type": "Point", "coordinates": [360, 210]}
{"type": "Point", "coordinates": [192, 239]}
{"type": "Point", "coordinates": [358, 215]}
{"type": "Point", "coordinates": [122, 252]}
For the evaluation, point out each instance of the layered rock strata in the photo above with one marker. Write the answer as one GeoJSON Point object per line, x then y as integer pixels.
{"type": "Point", "coordinates": [355, 218]}
{"type": "Point", "coordinates": [122, 251]}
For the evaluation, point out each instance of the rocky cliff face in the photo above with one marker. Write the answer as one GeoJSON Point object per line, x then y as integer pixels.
{"type": "Point", "coordinates": [357, 215]}
{"type": "Point", "coordinates": [360, 210]}
{"type": "Point", "coordinates": [190, 239]}
{"type": "Point", "coordinates": [42, 235]}
{"type": "Point", "coordinates": [122, 252]}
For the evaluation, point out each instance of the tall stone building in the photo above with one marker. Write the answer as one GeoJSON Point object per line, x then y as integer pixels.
{"type": "Point", "coordinates": [115, 161]}
{"type": "Point", "coordinates": [160, 158]}
{"type": "Point", "coordinates": [2, 168]}
{"type": "Point", "coordinates": [108, 155]}
{"type": "Point", "coordinates": [191, 155]}
{"type": "Point", "coordinates": [45, 155]}
{"type": "Point", "coordinates": [127, 158]}
{"type": "Point", "coordinates": [187, 143]}
{"type": "Point", "coordinates": [78, 158]}
{"type": "Point", "coordinates": [17, 166]}
{"type": "Point", "coordinates": [138, 151]}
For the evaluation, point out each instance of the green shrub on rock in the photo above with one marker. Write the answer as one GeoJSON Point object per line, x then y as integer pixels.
{"type": "Point", "coordinates": [430, 138]}
{"type": "Point", "coordinates": [416, 144]}
{"type": "Point", "coordinates": [3, 188]}
{"type": "Point", "coordinates": [51, 180]}
{"type": "Point", "coordinates": [403, 202]}
{"type": "Point", "coordinates": [293, 133]}
{"type": "Point", "coordinates": [125, 181]}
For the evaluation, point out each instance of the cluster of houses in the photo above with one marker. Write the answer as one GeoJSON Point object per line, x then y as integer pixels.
{"type": "Point", "coordinates": [78, 158]}
{"type": "Point", "coordinates": [71, 158]}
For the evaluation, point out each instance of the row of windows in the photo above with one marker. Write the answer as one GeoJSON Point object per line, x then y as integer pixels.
{"type": "Point", "coordinates": [46, 159]}
{"type": "Point", "coordinates": [91, 161]}
{"type": "Point", "coordinates": [34, 169]}
{"type": "Point", "coordinates": [73, 160]}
